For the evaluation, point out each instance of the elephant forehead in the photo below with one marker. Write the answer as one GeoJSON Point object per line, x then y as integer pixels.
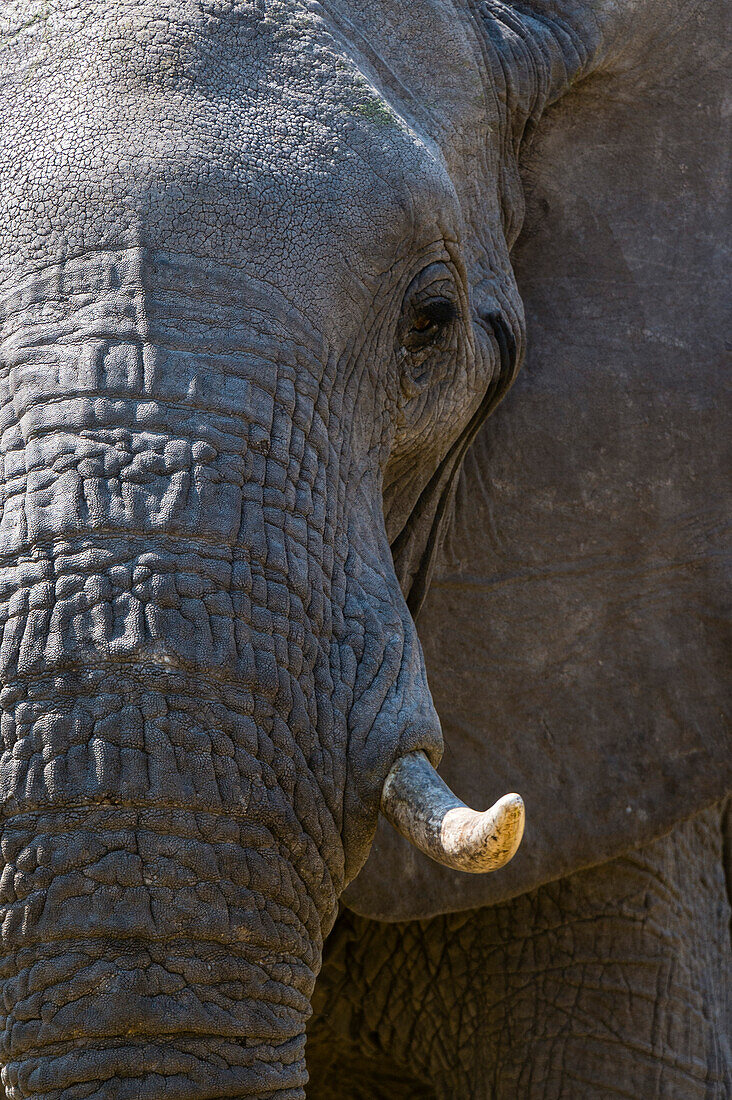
{"type": "Point", "coordinates": [253, 142]}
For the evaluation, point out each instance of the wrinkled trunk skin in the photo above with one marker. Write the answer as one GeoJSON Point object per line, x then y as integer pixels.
{"type": "Point", "coordinates": [185, 623]}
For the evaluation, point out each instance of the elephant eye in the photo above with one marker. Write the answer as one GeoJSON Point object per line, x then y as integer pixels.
{"type": "Point", "coordinates": [428, 333]}
{"type": "Point", "coordinates": [428, 322]}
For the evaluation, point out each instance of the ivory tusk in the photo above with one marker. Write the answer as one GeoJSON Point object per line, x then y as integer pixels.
{"type": "Point", "coordinates": [420, 806]}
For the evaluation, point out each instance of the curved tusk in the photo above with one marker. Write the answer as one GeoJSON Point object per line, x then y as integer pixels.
{"type": "Point", "coordinates": [422, 808]}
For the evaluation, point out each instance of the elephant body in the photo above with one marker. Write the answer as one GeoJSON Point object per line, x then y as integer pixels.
{"type": "Point", "coordinates": [262, 282]}
{"type": "Point", "coordinates": [612, 982]}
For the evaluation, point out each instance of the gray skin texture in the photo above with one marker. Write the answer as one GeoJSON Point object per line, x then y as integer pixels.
{"type": "Point", "coordinates": [612, 982]}
{"type": "Point", "coordinates": [256, 299]}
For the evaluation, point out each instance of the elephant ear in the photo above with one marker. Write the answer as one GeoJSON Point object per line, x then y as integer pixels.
{"type": "Point", "coordinates": [574, 632]}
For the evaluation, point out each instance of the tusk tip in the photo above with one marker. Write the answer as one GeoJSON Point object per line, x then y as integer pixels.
{"type": "Point", "coordinates": [481, 842]}
{"type": "Point", "coordinates": [511, 809]}
{"type": "Point", "coordinates": [510, 817]}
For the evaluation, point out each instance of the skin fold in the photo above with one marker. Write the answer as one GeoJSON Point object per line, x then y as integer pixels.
{"type": "Point", "coordinates": [256, 301]}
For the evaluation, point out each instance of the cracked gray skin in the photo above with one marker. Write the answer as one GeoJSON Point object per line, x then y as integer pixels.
{"type": "Point", "coordinates": [612, 982]}
{"type": "Point", "coordinates": [256, 300]}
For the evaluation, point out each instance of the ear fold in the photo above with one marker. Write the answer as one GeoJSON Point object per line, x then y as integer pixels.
{"type": "Point", "coordinates": [543, 48]}
{"type": "Point", "coordinates": [574, 636]}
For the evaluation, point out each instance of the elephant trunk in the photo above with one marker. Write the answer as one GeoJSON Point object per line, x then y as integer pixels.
{"type": "Point", "coordinates": [170, 860]}
{"type": "Point", "coordinates": [207, 670]}
{"type": "Point", "coordinates": [149, 947]}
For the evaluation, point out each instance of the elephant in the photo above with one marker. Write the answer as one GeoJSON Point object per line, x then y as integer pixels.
{"type": "Point", "coordinates": [268, 267]}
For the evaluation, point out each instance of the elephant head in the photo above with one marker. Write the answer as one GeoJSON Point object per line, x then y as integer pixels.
{"type": "Point", "coordinates": [257, 301]}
